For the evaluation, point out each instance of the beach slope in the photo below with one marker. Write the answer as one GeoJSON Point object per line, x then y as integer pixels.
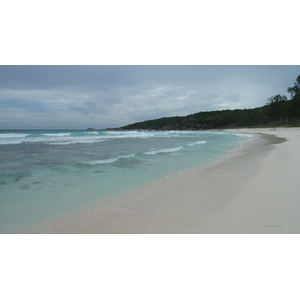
{"type": "Point", "coordinates": [255, 190]}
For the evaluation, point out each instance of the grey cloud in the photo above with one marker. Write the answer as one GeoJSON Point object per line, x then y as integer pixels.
{"type": "Point", "coordinates": [111, 96]}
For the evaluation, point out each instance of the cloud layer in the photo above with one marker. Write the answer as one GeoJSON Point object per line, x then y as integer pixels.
{"type": "Point", "coordinates": [111, 96]}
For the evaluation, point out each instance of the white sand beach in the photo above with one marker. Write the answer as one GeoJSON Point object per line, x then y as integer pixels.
{"type": "Point", "coordinates": [255, 190]}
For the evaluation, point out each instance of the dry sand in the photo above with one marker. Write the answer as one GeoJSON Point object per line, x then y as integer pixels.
{"type": "Point", "coordinates": [255, 190]}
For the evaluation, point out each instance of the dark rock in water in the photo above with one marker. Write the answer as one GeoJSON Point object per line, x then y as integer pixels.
{"type": "Point", "coordinates": [91, 128]}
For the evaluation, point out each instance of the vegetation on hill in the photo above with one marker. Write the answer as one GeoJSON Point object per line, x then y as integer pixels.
{"type": "Point", "coordinates": [278, 111]}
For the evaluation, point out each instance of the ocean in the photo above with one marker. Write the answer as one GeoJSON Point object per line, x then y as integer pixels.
{"type": "Point", "coordinates": [44, 174]}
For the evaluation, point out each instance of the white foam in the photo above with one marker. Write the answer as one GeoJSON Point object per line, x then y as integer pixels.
{"type": "Point", "coordinates": [12, 138]}
{"type": "Point", "coordinates": [57, 134]}
{"type": "Point", "coordinates": [10, 142]}
{"type": "Point", "coordinates": [127, 134]}
{"type": "Point", "coordinates": [109, 160]}
{"type": "Point", "coordinates": [179, 131]}
{"type": "Point", "coordinates": [244, 134]}
{"type": "Point", "coordinates": [53, 140]}
{"type": "Point", "coordinates": [76, 141]}
{"type": "Point", "coordinates": [103, 161]}
{"type": "Point", "coordinates": [197, 143]}
{"type": "Point", "coordinates": [168, 150]}
{"type": "Point", "coordinates": [127, 156]}
{"type": "Point", "coordinates": [118, 132]}
{"type": "Point", "coordinates": [64, 139]}
{"type": "Point", "coordinates": [13, 135]}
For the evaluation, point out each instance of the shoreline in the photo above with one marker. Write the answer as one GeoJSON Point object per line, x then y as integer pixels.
{"type": "Point", "coordinates": [251, 191]}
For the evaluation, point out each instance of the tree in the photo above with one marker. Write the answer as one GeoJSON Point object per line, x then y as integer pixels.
{"type": "Point", "coordinates": [277, 99]}
{"type": "Point", "coordinates": [295, 98]}
{"type": "Point", "coordinates": [295, 90]}
{"type": "Point", "coordinates": [277, 107]}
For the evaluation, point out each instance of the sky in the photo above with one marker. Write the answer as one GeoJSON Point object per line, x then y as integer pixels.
{"type": "Point", "coordinates": [101, 96]}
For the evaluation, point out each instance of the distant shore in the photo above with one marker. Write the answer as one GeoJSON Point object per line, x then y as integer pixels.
{"type": "Point", "coordinates": [256, 190]}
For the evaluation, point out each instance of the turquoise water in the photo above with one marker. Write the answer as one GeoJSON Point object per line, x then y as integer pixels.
{"type": "Point", "coordinates": [46, 173]}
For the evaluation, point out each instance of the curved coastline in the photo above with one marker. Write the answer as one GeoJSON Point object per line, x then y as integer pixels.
{"type": "Point", "coordinates": [252, 191]}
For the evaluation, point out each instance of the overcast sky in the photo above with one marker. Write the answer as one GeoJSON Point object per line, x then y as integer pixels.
{"type": "Point", "coordinates": [77, 97]}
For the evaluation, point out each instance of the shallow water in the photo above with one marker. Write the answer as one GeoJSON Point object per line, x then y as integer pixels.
{"type": "Point", "coordinates": [47, 173]}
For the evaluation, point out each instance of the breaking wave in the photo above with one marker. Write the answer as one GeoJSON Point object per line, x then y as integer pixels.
{"type": "Point", "coordinates": [56, 134]}
{"type": "Point", "coordinates": [13, 135]}
{"type": "Point", "coordinates": [12, 138]}
{"type": "Point", "coordinates": [168, 150]}
{"type": "Point", "coordinates": [108, 160]}
{"type": "Point", "coordinates": [197, 143]}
